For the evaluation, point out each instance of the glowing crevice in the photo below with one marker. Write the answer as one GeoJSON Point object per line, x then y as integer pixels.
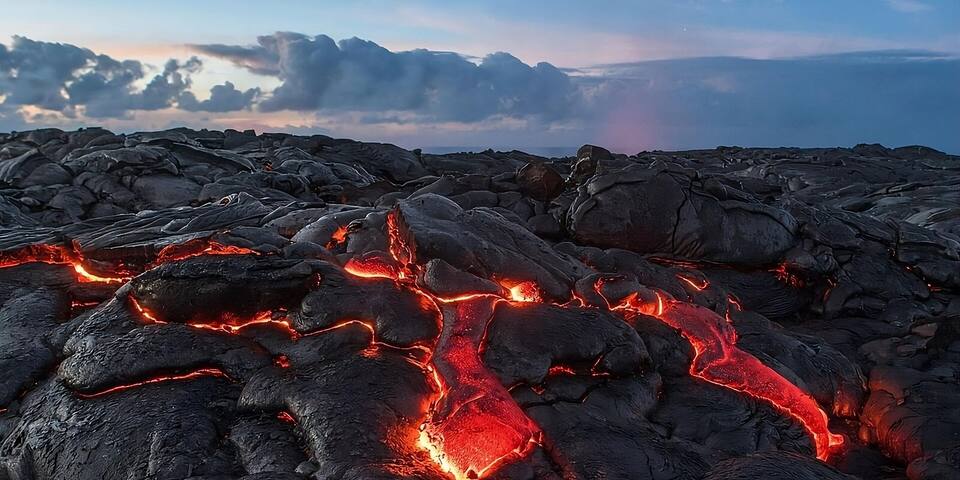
{"type": "Point", "coordinates": [473, 424]}
{"type": "Point", "coordinates": [718, 360]}
{"type": "Point", "coordinates": [58, 255]}
{"type": "Point", "coordinates": [202, 372]}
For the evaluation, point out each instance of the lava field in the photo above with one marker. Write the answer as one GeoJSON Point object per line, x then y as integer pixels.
{"type": "Point", "coordinates": [225, 305]}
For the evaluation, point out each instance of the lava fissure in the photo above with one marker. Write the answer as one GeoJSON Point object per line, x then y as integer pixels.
{"type": "Point", "coordinates": [202, 372]}
{"type": "Point", "coordinates": [58, 255]}
{"type": "Point", "coordinates": [718, 360]}
{"type": "Point", "coordinates": [473, 425]}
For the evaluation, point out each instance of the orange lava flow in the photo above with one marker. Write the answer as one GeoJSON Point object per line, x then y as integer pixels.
{"type": "Point", "coordinates": [61, 255]}
{"type": "Point", "coordinates": [371, 268]}
{"type": "Point", "coordinates": [196, 248]}
{"type": "Point", "coordinates": [718, 360]}
{"type": "Point", "coordinates": [339, 236]}
{"type": "Point", "coordinates": [475, 425]}
{"type": "Point", "coordinates": [147, 315]}
{"type": "Point", "coordinates": [55, 255]}
{"type": "Point", "coordinates": [697, 284]}
{"type": "Point", "coordinates": [524, 292]}
{"type": "Point", "coordinates": [202, 372]}
{"type": "Point", "coordinates": [233, 324]}
{"type": "Point", "coordinates": [374, 343]}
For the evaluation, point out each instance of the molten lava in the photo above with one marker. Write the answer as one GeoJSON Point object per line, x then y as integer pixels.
{"type": "Point", "coordinates": [147, 315]}
{"type": "Point", "coordinates": [718, 360]}
{"type": "Point", "coordinates": [371, 267]}
{"type": "Point", "coordinates": [61, 255]}
{"type": "Point", "coordinates": [697, 283]}
{"type": "Point", "coordinates": [523, 292]}
{"type": "Point", "coordinates": [338, 237]}
{"type": "Point", "coordinates": [56, 255]}
{"type": "Point", "coordinates": [196, 248]}
{"type": "Point", "coordinates": [234, 324]}
{"type": "Point", "coordinates": [474, 425]}
{"type": "Point", "coordinates": [202, 372]}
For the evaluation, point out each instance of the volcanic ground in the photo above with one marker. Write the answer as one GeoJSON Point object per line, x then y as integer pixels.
{"type": "Point", "coordinates": [221, 305]}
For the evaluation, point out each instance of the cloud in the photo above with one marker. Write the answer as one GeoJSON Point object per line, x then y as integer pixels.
{"type": "Point", "coordinates": [356, 88]}
{"type": "Point", "coordinates": [223, 98]}
{"type": "Point", "coordinates": [908, 6]}
{"type": "Point", "coordinates": [319, 74]}
{"type": "Point", "coordinates": [65, 79]}
{"type": "Point", "coordinates": [890, 97]}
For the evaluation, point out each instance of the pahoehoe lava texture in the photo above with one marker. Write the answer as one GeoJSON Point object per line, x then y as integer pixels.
{"type": "Point", "coordinates": [226, 305]}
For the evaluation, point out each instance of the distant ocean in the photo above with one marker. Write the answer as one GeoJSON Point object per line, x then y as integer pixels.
{"type": "Point", "coordinates": [541, 151]}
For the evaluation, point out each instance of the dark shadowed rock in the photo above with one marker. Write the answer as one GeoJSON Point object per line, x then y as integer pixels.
{"type": "Point", "coordinates": [774, 465]}
{"type": "Point", "coordinates": [539, 181]}
{"type": "Point", "coordinates": [659, 210]}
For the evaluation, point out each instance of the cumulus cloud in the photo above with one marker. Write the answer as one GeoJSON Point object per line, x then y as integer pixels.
{"type": "Point", "coordinates": [357, 88]}
{"type": "Point", "coordinates": [61, 77]}
{"type": "Point", "coordinates": [318, 73]}
{"type": "Point", "coordinates": [223, 98]}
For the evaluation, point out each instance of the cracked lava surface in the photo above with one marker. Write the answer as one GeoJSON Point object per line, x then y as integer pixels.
{"type": "Point", "coordinates": [433, 335]}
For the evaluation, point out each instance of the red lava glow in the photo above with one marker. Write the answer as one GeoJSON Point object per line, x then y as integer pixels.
{"type": "Point", "coordinates": [196, 248]}
{"type": "Point", "coordinates": [718, 360]}
{"type": "Point", "coordinates": [55, 255]}
{"type": "Point", "coordinates": [80, 305]}
{"type": "Point", "coordinates": [61, 255]}
{"type": "Point", "coordinates": [286, 418]}
{"type": "Point", "coordinates": [89, 277]}
{"type": "Point", "coordinates": [697, 283]}
{"type": "Point", "coordinates": [371, 267]}
{"type": "Point", "coordinates": [202, 372]}
{"type": "Point", "coordinates": [524, 292]}
{"type": "Point", "coordinates": [560, 370]}
{"type": "Point", "coordinates": [338, 237]}
{"type": "Point", "coordinates": [233, 324]}
{"type": "Point", "coordinates": [735, 302]}
{"type": "Point", "coordinates": [786, 276]}
{"type": "Point", "coordinates": [474, 426]}
{"type": "Point", "coordinates": [374, 343]}
{"type": "Point", "coordinates": [147, 315]}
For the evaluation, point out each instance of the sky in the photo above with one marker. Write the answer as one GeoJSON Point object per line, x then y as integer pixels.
{"type": "Point", "coordinates": [630, 75]}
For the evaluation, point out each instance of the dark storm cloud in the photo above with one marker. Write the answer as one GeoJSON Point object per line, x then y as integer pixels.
{"type": "Point", "coordinates": [61, 77]}
{"type": "Point", "coordinates": [359, 75]}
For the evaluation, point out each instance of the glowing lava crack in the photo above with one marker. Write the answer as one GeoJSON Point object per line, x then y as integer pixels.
{"type": "Point", "coordinates": [718, 360]}
{"type": "Point", "coordinates": [473, 425]}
